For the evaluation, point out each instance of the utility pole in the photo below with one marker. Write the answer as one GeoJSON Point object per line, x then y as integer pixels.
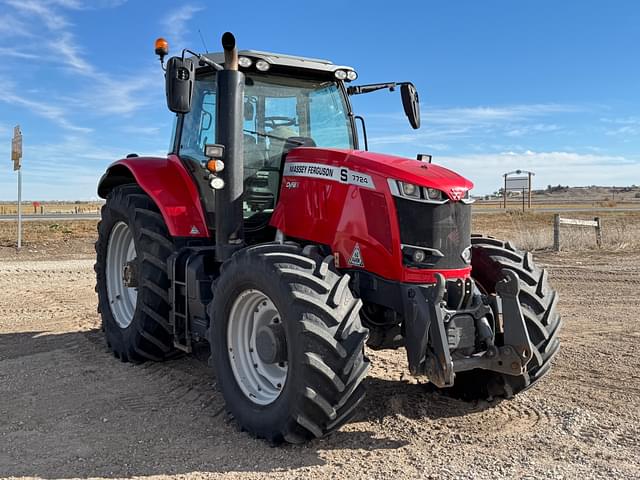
{"type": "Point", "coordinates": [16, 157]}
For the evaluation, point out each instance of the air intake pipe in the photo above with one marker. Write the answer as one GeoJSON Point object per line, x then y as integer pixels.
{"type": "Point", "coordinates": [229, 118]}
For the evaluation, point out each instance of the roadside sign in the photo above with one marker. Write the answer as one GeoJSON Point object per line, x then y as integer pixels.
{"type": "Point", "coordinates": [16, 148]}
{"type": "Point", "coordinates": [517, 183]}
{"type": "Point", "coordinates": [16, 157]}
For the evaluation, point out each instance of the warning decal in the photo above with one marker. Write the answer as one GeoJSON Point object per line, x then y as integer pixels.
{"type": "Point", "coordinates": [328, 172]}
{"type": "Point", "coordinates": [356, 257]}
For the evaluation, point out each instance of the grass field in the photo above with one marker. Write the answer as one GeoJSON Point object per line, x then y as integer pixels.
{"type": "Point", "coordinates": [530, 230]}
{"type": "Point", "coordinates": [35, 208]}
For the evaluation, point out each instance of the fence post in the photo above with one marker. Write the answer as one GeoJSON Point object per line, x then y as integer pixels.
{"type": "Point", "coordinates": [598, 232]}
{"type": "Point", "coordinates": [556, 232]}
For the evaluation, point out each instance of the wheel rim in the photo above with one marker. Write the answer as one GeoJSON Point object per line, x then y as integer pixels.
{"type": "Point", "coordinates": [260, 381]}
{"type": "Point", "coordinates": [121, 251]}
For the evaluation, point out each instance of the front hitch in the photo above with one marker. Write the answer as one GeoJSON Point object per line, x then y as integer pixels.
{"type": "Point", "coordinates": [426, 334]}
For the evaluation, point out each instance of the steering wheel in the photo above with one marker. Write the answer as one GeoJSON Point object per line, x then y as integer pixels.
{"type": "Point", "coordinates": [278, 121]}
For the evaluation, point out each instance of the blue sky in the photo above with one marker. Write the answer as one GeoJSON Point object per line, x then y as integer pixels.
{"type": "Point", "coordinates": [546, 86]}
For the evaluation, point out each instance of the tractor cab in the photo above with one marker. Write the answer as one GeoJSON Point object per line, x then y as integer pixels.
{"type": "Point", "coordinates": [287, 102]}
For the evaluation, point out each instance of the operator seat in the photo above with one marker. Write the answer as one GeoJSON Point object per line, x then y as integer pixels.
{"type": "Point", "coordinates": [254, 156]}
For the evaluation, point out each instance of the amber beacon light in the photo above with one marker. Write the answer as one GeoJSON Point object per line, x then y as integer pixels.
{"type": "Point", "coordinates": [161, 48]}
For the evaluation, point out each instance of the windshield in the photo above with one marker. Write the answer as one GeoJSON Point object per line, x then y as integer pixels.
{"type": "Point", "coordinates": [275, 108]}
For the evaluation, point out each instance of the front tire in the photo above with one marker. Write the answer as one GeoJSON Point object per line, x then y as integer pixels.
{"type": "Point", "coordinates": [132, 283]}
{"type": "Point", "coordinates": [307, 381]}
{"type": "Point", "coordinates": [538, 302]}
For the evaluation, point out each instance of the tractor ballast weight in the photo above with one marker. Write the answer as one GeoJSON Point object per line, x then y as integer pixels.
{"type": "Point", "coordinates": [284, 249]}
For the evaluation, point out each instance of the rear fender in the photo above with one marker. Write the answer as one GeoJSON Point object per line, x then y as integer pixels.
{"type": "Point", "coordinates": [171, 187]}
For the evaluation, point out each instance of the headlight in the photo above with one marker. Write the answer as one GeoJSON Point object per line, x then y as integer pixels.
{"type": "Point", "coordinates": [466, 198]}
{"type": "Point", "coordinates": [466, 254]}
{"type": "Point", "coordinates": [418, 256]}
{"type": "Point", "coordinates": [434, 194]}
{"type": "Point", "coordinates": [409, 190]}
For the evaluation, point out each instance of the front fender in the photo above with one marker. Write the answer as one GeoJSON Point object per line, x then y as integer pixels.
{"type": "Point", "coordinates": [169, 184]}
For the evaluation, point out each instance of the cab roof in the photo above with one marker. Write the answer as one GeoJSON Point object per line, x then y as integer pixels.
{"type": "Point", "coordinates": [282, 60]}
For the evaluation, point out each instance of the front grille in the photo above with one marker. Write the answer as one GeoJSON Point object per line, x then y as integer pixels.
{"type": "Point", "coordinates": [446, 228]}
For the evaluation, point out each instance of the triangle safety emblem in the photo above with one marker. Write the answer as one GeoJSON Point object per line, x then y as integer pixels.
{"type": "Point", "coordinates": [356, 257]}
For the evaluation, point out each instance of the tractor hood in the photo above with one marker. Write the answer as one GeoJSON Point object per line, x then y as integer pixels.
{"type": "Point", "coordinates": [388, 166]}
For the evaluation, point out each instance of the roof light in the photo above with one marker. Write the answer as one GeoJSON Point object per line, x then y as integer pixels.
{"type": "Point", "coordinates": [244, 62]}
{"type": "Point", "coordinates": [262, 66]}
{"type": "Point", "coordinates": [351, 75]}
{"type": "Point", "coordinates": [340, 74]}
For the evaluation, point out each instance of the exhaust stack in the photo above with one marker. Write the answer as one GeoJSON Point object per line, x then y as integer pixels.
{"type": "Point", "coordinates": [230, 51]}
{"type": "Point", "coordinates": [229, 117]}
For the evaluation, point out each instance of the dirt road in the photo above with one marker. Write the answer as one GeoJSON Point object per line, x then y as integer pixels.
{"type": "Point", "coordinates": [69, 409]}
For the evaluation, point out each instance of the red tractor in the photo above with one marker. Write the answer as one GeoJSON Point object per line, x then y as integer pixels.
{"type": "Point", "coordinates": [268, 236]}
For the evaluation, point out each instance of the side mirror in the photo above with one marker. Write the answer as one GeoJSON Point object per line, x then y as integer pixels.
{"type": "Point", "coordinates": [411, 103]}
{"type": "Point", "coordinates": [179, 77]}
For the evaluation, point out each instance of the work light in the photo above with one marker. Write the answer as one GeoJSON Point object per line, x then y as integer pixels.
{"type": "Point", "coordinates": [262, 66]}
{"type": "Point", "coordinates": [340, 74]}
{"type": "Point", "coordinates": [244, 62]}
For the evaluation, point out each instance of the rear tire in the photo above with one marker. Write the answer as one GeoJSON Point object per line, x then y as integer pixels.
{"type": "Point", "coordinates": [538, 301]}
{"type": "Point", "coordinates": [140, 330]}
{"type": "Point", "coordinates": [321, 330]}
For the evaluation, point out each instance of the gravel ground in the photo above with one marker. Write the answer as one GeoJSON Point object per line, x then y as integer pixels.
{"type": "Point", "coordinates": [68, 409]}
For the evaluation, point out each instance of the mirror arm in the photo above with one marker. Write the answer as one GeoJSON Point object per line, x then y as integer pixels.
{"type": "Point", "coordinates": [360, 89]}
{"type": "Point", "coordinates": [202, 60]}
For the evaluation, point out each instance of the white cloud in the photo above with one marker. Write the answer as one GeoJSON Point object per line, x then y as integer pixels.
{"type": "Point", "coordinates": [443, 125]}
{"type": "Point", "coordinates": [11, 25]}
{"type": "Point", "coordinates": [493, 114]}
{"type": "Point", "coordinates": [115, 96]}
{"type": "Point", "coordinates": [176, 22]}
{"type": "Point", "coordinates": [140, 130]}
{"type": "Point", "coordinates": [551, 168]}
{"type": "Point", "coordinates": [10, 52]}
{"type": "Point", "coordinates": [628, 126]}
{"type": "Point", "coordinates": [52, 112]}
{"type": "Point", "coordinates": [44, 10]}
{"type": "Point", "coordinates": [523, 130]}
{"type": "Point", "coordinates": [72, 168]}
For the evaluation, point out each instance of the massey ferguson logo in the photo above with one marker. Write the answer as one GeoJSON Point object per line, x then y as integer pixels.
{"type": "Point", "coordinates": [457, 193]}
